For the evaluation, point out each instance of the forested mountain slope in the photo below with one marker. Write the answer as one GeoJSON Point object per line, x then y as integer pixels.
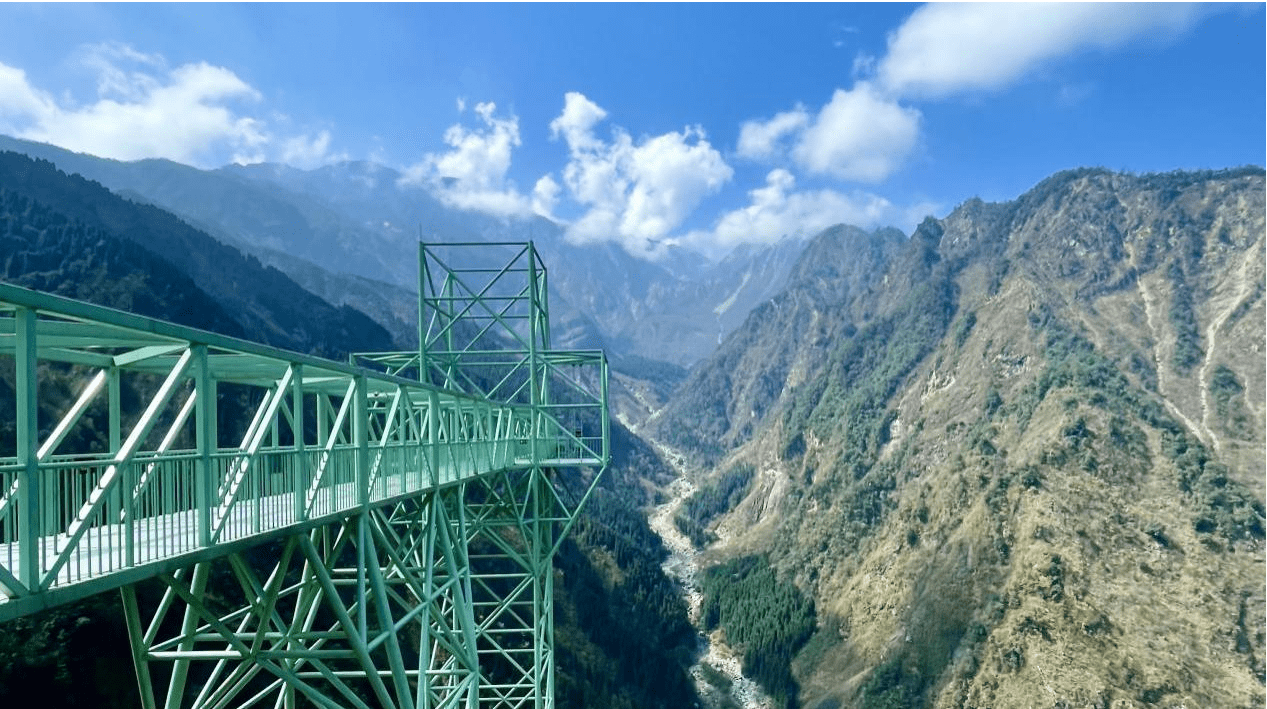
{"type": "Point", "coordinates": [1014, 460]}
{"type": "Point", "coordinates": [264, 301]}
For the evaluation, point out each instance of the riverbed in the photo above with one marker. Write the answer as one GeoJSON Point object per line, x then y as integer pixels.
{"type": "Point", "coordinates": [714, 657]}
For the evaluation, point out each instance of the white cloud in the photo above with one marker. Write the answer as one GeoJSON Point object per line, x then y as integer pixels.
{"type": "Point", "coordinates": [143, 109]}
{"type": "Point", "coordinates": [184, 114]}
{"type": "Point", "coordinates": [635, 193]}
{"type": "Point", "coordinates": [479, 158]}
{"type": "Point", "coordinates": [308, 151]}
{"type": "Point", "coordinates": [670, 176]}
{"type": "Point", "coordinates": [578, 119]}
{"type": "Point", "coordinates": [866, 133]}
{"type": "Point", "coordinates": [761, 139]}
{"type": "Point", "coordinates": [777, 210]}
{"type": "Point", "coordinates": [110, 60]}
{"type": "Point", "coordinates": [545, 196]}
{"type": "Point", "coordinates": [859, 136]}
{"type": "Point", "coordinates": [948, 48]}
{"type": "Point", "coordinates": [472, 174]}
{"type": "Point", "coordinates": [21, 103]}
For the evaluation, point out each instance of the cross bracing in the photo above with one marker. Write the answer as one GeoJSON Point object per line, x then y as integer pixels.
{"type": "Point", "coordinates": [379, 540]}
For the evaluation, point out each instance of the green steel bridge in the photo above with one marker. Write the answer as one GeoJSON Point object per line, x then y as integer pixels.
{"type": "Point", "coordinates": [289, 531]}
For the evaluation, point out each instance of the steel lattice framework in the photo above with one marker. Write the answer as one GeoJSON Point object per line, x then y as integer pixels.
{"type": "Point", "coordinates": [290, 531]}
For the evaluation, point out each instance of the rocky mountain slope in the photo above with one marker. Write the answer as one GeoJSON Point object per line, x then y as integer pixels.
{"type": "Point", "coordinates": [1014, 460]}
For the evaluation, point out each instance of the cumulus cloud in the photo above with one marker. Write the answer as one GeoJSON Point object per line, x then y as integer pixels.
{"type": "Point", "coordinates": [472, 173]}
{"type": "Point", "coordinates": [545, 195]}
{"type": "Point", "coordinates": [859, 136]}
{"type": "Point", "coordinates": [633, 192]}
{"type": "Point", "coordinates": [192, 113]}
{"type": "Point", "coordinates": [578, 119]}
{"type": "Point", "coordinates": [762, 139]}
{"type": "Point", "coordinates": [777, 209]}
{"type": "Point", "coordinates": [944, 49]}
{"type": "Point", "coordinates": [866, 133]}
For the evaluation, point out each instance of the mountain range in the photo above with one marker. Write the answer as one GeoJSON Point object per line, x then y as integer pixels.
{"type": "Point", "coordinates": [1015, 458]}
{"type": "Point", "coordinates": [359, 224]}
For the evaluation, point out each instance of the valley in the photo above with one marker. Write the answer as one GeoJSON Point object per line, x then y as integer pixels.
{"type": "Point", "coordinates": [963, 467]}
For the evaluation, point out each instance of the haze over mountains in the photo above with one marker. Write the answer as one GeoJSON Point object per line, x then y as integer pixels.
{"type": "Point", "coordinates": [1013, 459]}
{"type": "Point", "coordinates": [357, 222]}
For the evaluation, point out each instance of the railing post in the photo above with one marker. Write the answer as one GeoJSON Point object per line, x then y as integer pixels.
{"type": "Point", "coordinates": [360, 437]}
{"type": "Point", "coordinates": [402, 427]}
{"type": "Point", "coordinates": [28, 432]}
{"type": "Point", "coordinates": [205, 440]}
{"type": "Point", "coordinates": [303, 474]}
{"type": "Point", "coordinates": [127, 485]}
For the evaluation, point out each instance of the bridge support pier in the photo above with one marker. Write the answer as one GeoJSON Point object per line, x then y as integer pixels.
{"type": "Point", "coordinates": [440, 601]}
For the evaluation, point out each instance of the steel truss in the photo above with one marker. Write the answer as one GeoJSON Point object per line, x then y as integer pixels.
{"type": "Point", "coordinates": [375, 535]}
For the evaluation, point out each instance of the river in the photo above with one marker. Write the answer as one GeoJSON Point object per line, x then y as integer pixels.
{"type": "Point", "coordinates": [714, 657]}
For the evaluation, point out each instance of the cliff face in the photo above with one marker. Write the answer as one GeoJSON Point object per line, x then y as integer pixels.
{"type": "Point", "coordinates": [1016, 459]}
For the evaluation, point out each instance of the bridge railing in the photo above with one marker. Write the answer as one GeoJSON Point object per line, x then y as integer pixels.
{"type": "Point", "coordinates": [139, 491]}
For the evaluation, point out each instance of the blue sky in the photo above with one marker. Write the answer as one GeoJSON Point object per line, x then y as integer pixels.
{"type": "Point", "coordinates": [702, 125]}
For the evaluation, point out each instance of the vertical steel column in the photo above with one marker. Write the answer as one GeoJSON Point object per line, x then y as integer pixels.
{"type": "Point", "coordinates": [360, 438]}
{"type": "Point", "coordinates": [464, 608]}
{"type": "Point", "coordinates": [28, 431]}
{"type": "Point", "coordinates": [433, 435]}
{"type": "Point", "coordinates": [543, 300]}
{"type": "Point", "coordinates": [606, 420]}
{"type": "Point", "coordinates": [424, 278]}
{"type": "Point", "coordinates": [539, 546]}
{"type": "Point", "coordinates": [204, 422]}
{"type": "Point", "coordinates": [427, 513]}
{"type": "Point", "coordinates": [302, 473]}
{"type": "Point", "coordinates": [534, 372]}
{"type": "Point", "coordinates": [115, 392]}
{"type": "Point", "coordinates": [450, 365]}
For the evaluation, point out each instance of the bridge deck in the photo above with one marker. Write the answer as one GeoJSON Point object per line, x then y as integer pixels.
{"type": "Point", "coordinates": [150, 544]}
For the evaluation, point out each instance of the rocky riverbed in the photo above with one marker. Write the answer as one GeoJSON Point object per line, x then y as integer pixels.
{"type": "Point", "coordinates": [717, 671]}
